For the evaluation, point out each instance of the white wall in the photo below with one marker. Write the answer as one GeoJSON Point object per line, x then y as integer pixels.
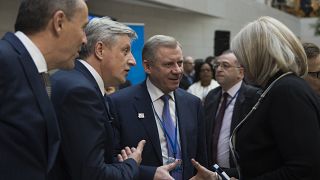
{"type": "Point", "coordinates": [8, 13]}
{"type": "Point", "coordinates": [194, 29]}
{"type": "Point", "coordinates": [192, 22]}
{"type": "Point", "coordinates": [307, 32]}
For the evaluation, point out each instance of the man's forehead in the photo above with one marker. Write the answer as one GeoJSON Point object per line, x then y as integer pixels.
{"type": "Point", "coordinates": [227, 57]}
{"type": "Point", "coordinates": [314, 64]}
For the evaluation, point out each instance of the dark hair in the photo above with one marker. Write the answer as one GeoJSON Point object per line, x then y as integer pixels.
{"type": "Point", "coordinates": [312, 50]}
{"type": "Point", "coordinates": [34, 15]}
{"type": "Point", "coordinates": [197, 70]}
{"type": "Point", "coordinates": [209, 59]}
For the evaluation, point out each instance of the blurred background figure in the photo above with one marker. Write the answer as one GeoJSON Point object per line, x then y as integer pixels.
{"type": "Point", "coordinates": [210, 59]}
{"type": "Point", "coordinates": [204, 81]}
{"type": "Point", "coordinates": [188, 71]}
{"type": "Point", "coordinates": [313, 76]}
{"type": "Point", "coordinates": [306, 7]}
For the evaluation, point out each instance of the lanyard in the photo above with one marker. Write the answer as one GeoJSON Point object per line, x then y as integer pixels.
{"type": "Point", "coordinates": [174, 144]}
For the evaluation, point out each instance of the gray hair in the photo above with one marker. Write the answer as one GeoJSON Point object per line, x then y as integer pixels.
{"type": "Point", "coordinates": [105, 30]}
{"type": "Point", "coordinates": [149, 51]}
{"type": "Point", "coordinates": [266, 46]}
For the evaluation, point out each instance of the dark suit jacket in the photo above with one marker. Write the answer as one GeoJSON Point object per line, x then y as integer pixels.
{"type": "Point", "coordinates": [130, 101]}
{"type": "Point", "coordinates": [244, 102]}
{"type": "Point", "coordinates": [185, 83]}
{"type": "Point", "coordinates": [29, 134]}
{"type": "Point", "coordinates": [281, 139]}
{"type": "Point", "coordinates": [86, 146]}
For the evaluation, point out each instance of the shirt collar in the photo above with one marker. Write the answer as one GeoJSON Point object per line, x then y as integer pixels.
{"type": "Point", "coordinates": [155, 92]}
{"type": "Point", "coordinates": [34, 52]}
{"type": "Point", "coordinates": [95, 74]}
{"type": "Point", "coordinates": [234, 89]}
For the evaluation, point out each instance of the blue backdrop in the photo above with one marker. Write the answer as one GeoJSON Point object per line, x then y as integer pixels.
{"type": "Point", "coordinates": [136, 74]}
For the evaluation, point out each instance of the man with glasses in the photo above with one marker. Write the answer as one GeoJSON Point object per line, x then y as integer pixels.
{"type": "Point", "coordinates": [188, 70]}
{"type": "Point", "coordinates": [225, 107]}
{"type": "Point", "coordinates": [313, 55]}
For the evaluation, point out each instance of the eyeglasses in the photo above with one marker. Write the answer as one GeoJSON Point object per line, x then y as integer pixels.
{"type": "Point", "coordinates": [224, 66]}
{"type": "Point", "coordinates": [315, 74]}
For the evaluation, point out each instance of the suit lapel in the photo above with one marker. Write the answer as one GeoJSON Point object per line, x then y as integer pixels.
{"type": "Point", "coordinates": [238, 107]}
{"type": "Point", "coordinates": [183, 121]}
{"type": "Point", "coordinates": [38, 88]}
{"type": "Point", "coordinates": [142, 103]}
{"type": "Point", "coordinates": [213, 108]}
{"type": "Point", "coordinates": [210, 116]}
{"type": "Point", "coordinates": [108, 124]}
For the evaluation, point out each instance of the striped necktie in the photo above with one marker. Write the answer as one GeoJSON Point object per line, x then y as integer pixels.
{"type": "Point", "coordinates": [46, 80]}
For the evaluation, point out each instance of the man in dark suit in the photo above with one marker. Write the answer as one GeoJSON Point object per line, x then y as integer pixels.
{"type": "Point", "coordinates": [142, 113]}
{"type": "Point", "coordinates": [44, 40]}
{"type": "Point", "coordinates": [84, 118]}
{"type": "Point", "coordinates": [221, 121]}
{"type": "Point", "coordinates": [187, 77]}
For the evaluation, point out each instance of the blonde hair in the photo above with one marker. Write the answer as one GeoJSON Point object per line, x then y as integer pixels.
{"type": "Point", "coordinates": [266, 46]}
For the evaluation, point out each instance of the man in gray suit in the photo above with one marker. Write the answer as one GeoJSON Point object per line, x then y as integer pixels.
{"type": "Point", "coordinates": [225, 106]}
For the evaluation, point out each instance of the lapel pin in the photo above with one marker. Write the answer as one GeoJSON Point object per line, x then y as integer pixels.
{"type": "Point", "coordinates": [140, 115]}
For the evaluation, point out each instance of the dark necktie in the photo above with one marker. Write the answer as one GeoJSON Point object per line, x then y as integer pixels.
{"type": "Point", "coordinates": [46, 80]}
{"type": "Point", "coordinates": [217, 126]}
{"type": "Point", "coordinates": [170, 133]}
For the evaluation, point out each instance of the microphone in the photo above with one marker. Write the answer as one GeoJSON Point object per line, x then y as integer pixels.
{"type": "Point", "coordinates": [221, 173]}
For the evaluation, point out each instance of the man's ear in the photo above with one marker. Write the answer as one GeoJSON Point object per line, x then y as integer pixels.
{"type": "Point", "coordinates": [146, 65]}
{"type": "Point", "coordinates": [98, 50]}
{"type": "Point", "coordinates": [58, 20]}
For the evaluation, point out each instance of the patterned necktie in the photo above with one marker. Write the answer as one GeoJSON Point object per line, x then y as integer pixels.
{"type": "Point", "coordinates": [46, 80]}
{"type": "Point", "coordinates": [170, 133]}
{"type": "Point", "coordinates": [217, 126]}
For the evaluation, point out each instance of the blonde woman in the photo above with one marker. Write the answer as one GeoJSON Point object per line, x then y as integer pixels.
{"type": "Point", "coordinates": [280, 138]}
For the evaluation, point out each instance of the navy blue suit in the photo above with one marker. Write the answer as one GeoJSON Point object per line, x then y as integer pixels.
{"type": "Point", "coordinates": [86, 129]}
{"type": "Point", "coordinates": [128, 102]}
{"type": "Point", "coordinates": [29, 133]}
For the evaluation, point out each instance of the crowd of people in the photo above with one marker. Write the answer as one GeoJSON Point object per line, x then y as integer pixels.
{"type": "Point", "coordinates": [254, 110]}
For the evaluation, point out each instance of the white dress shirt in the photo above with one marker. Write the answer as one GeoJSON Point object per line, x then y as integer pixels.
{"type": "Point", "coordinates": [223, 142]}
{"type": "Point", "coordinates": [155, 94]}
{"type": "Point", "coordinates": [96, 76]}
{"type": "Point", "coordinates": [34, 52]}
